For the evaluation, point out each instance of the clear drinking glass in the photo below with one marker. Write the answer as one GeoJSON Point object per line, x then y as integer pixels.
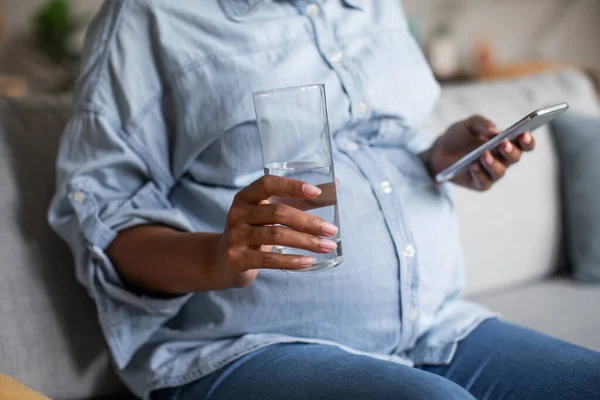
{"type": "Point", "coordinates": [295, 143]}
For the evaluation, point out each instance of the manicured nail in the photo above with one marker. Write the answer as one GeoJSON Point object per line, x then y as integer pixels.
{"type": "Point", "coordinates": [488, 159]}
{"type": "Point", "coordinates": [306, 261]}
{"type": "Point", "coordinates": [475, 167]}
{"type": "Point", "coordinates": [329, 229]}
{"type": "Point", "coordinates": [507, 148]}
{"type": "Point", "coordinates": [527, 138]}
{"type": "Point", "coordinates": [311, 190]}
{"type": "Point", "coordinates": [327, 245]}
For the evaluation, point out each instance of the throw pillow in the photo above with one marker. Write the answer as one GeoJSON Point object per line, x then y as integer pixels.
{"type": "Point", "coordinates": [578, 144]}
{"type": "Point", "coordinates": [11, 389]}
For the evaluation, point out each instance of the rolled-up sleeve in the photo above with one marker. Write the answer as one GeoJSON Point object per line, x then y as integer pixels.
{"type": "Point", "coordinates": [103, 187]}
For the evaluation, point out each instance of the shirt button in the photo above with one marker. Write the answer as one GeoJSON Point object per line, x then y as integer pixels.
{"type": "Point", "coordinates": [79, 197]}
{"type": "Point", "coordinates": [409, 251]}
{"type": "Point", "coordinates": [386, 187]}
{"type": "Point", "coordinates": [351, 145]}
{"type": "Point", "coordinates": [336, 56]}
{"type": "Point", "coordinates": [413, 314]}
{"type": "Point", "coordinates": [312, 10]}
{"type": "Point", "coordinates": [363, 107]}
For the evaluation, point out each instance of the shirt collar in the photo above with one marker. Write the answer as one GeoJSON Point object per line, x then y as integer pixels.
{"type": "Point", "coordinates": [241, 10]}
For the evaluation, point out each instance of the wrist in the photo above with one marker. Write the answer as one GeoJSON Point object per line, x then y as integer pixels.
{"type": "Point", "coordinates": [427, 159]}
{"type": "Point", "coordinates": [210, 261]}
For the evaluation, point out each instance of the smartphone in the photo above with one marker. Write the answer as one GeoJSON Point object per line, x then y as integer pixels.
{"type": "Point", "coordinates": [530, 123]}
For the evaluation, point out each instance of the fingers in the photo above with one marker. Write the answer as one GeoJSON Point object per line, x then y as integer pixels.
{"type": "Point", "coordinates": [281, 236]}
{"type": "Point", "coordinates": [269, 212]}
{"type": "Point", "coordinates": [481, 179]}
{"type": "Point", "coordinates": [494, 167]}
{"type": "Point", "coordinates": [277, 186]}
{"type": "Point", "coordinates": [284, 214]}
{"type": "Point", "coordinates": [245, 259]}
{"type": "Point", "coordinates": [487, 171]}
{"type": "Point", "coordinates": [328, 197]}
{"type": "Point", "coordinates": [526, 141]}
{"type": "Point", "coordinates": [491, 168]}
{"type": "Point", "coordinates": [510, 153]}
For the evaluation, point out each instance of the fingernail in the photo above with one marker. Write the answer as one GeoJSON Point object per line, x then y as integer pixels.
{"type": "Point", "coordinates": [488, 159]}
{"type": "Point", "coordinates": [306, 261]}
{"type": "Point", "coordinates": [327, 244]}
{"type": "Point", "coordinates": [527, 138]}
{"type": "Point", "coordinates": [507, 147]}
{"type": "Point", "coordinates": [493, 129]}
{"type": "Point", "coordinates": [311, 190]}
{"type": "Point", "coordinates": [481, 129]}
{"type": "Point", "coordinates": [329, 229]}
{"type": "Point", "coordinates": [475, 167]}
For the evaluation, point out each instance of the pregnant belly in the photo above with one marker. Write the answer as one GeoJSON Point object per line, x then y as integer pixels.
{"type": "Point", "coordinates": [355, 304]}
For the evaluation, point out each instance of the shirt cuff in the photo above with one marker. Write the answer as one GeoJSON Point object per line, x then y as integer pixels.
{"type": "Point", "coordinates": [128, 319]}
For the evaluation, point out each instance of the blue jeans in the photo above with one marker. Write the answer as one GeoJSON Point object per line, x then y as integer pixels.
{"type": "Point", "coordinates": [497, 361]}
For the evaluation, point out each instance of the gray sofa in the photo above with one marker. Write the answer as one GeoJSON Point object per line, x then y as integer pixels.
{"type": "Point", "coordinates": [49, 338]}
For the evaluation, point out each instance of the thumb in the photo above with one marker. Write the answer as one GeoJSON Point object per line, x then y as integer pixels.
{"type": "Point", "coordinates": [480, 125]}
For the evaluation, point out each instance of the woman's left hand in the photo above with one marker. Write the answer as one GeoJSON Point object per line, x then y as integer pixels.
{"type": "Point", "coordinates": [463, 137]}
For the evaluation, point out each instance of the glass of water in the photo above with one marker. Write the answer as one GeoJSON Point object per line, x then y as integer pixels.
{"type": "Point", "coordinates": [295, 143]}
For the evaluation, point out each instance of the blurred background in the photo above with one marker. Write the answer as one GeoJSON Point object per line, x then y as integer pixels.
{"type": "Point", "coordinates": [464, 39]}
{"type": "Point", "coordinates": [468, 39]}
{"type": "Point", "coordinates": [40, 41]}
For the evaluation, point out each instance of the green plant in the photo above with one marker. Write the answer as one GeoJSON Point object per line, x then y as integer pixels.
{"type": "Point", "coordinates": [54, 24]}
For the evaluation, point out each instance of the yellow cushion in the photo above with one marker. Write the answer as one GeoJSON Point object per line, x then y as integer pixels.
{"type": "Point", "coordinates": [11, 389]}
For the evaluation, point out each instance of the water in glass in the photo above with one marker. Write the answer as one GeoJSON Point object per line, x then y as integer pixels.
{"type": "Point", "coordinates": [324, 206]}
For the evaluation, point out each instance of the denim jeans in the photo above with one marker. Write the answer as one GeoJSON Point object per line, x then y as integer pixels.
{"type": "Point", "coordinates": [497, 360]}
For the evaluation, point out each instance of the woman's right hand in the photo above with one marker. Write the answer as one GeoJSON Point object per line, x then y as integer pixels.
{"type": "Point", "coordinates": [254, 226]}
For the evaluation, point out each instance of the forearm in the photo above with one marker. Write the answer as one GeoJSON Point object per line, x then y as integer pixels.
{"type": "Point", "coordinates": [161, 259]}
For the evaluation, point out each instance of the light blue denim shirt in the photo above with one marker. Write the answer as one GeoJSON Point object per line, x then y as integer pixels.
{"type": "Point", "coordinates": [164, 132]}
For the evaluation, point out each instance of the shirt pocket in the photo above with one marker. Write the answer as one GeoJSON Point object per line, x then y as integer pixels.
{"type": "Point", "coordinates": [395, 76]}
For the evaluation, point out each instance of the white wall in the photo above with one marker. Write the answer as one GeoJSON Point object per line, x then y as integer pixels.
{"type": "Point", "coordinates": [557, 29]}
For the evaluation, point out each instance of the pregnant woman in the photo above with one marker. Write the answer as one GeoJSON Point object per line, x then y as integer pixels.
{"type": "Point", "coordinates": [162, 201]}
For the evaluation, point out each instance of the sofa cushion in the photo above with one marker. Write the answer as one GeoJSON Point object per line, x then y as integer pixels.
{"type": "Point", "coordinates": [512, 233]}
{"type": "Point", "coordinates": [559, 307]}
{"type": "Point", "coordinates": [49, 337]}
{"type": "Point", "coordinates": [578, 144]}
